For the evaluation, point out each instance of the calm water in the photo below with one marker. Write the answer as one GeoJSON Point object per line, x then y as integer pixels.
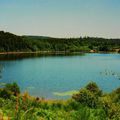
{"type": "Point", "coordinates": [42, 76]}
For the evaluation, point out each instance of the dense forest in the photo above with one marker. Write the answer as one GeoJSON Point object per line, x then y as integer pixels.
{"type": "Point", "coordinates": [13, 43]}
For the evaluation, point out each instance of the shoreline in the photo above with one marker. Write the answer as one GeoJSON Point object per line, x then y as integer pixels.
{"type": "Point", "coordinates": [54, 52]}
{"type": "Point", "coordinates": [5, 53]}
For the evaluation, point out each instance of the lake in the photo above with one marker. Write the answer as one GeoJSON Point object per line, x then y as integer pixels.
{"type": "Point", "coordinates": [52, 76]}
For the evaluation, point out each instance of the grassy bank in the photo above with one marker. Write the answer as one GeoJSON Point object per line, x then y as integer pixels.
{"type": "Point", "coordinates": [90, 103]}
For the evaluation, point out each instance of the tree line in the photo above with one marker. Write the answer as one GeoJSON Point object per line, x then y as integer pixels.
{"type": "Point", "coordinates": [14, 43]}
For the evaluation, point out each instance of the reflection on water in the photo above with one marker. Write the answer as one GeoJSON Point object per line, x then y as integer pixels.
{"type": "Point", "coordinates": [58, 76]}
{"type": "Point", "coordinates": [35, 55]}
{"type": "Point", "coordinates": [1, 69]}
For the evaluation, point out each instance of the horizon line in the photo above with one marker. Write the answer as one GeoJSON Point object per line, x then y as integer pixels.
{"type": "Point", "coordinates": [36, 35]}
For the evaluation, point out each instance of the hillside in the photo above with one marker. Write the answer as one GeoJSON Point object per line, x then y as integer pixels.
{"type": "Point", "coordinates": [14, 43]}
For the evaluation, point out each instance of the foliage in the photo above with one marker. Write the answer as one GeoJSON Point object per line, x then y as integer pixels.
{"type": "Point", "coordinates": [14, 88]}
{"type": "Point", "coordinates": [5, 93]}
{"type": "Point", "coordinates": [9, 90]}
{"type": "Point", "coordinates": [10, 43]}
{"type": "Point", "coordinates": [85, 97]}
{"type": "Point", "coordinates": [92, 87]}
{"type": "Point", "coordinates": [87, 104]}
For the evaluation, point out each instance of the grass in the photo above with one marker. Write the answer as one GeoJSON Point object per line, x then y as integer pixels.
{"type": "Point", "coordinates": [89, 103]}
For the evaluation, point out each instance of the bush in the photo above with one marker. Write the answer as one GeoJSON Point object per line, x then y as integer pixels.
{"type": "Point", "coordinates": [115, 95]}
{"type": "Point", "coordinates": [85, 105]}
{"type": "Point", "coordinates": [14, 88]}
{"type": "Point", "coordinates": [82, 114]}
{"type": "Point", "coordinates": [85, 97]}
{"type": "Point", "coordinates": [72, 105]}
{"type": "Point", "coordinates": [92, 87]}
{"type": "Point", "coordinates": [5, 94]}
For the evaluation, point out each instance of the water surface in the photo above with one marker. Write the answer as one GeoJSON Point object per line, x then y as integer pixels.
{"type": "Point", "coordinates": [45, 75]}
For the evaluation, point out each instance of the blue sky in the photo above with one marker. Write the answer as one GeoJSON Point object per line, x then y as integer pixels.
{"type": "Point", "coordinates": [61, 18]}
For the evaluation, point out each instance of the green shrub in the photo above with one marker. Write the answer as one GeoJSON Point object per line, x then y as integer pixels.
{"type": "Point", "coordinates": [88, 104]}
{"type": "Point", "coordinates": [14, 88]}
{"type": "Point", "coordinates": [92, 87]}
{"type": "Point", "coordinates": [6, 94]}
{"type": "Point", "coordinates": [70, 105]}
{"type": "Point", "coordinates": [116, 96]}
{"type": "Point", "coordinates": [47, 114]}
{"type": "Point", "coordinates": [85, 97]}
{"type": "Point", "coordinates": [82, 114]}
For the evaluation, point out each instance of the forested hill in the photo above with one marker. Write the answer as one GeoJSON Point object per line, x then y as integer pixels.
{"type": "Point", "coordinates": [11, 42]}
